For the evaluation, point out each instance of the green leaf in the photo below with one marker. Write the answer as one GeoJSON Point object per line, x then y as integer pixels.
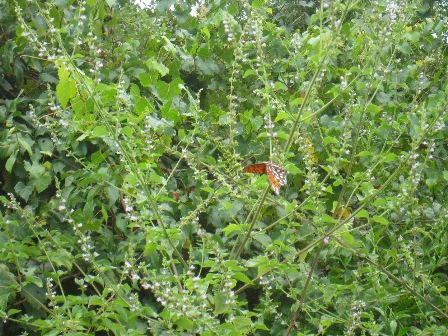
{"type": "Point", "coordinates": [184, 324]}
{"type": "Point", "coordinates": [388, 157]}
{"type": "Point", "coordinates": [154, 177]}
{"type": "Point", "coordinates": [42, 182]}
{"type": "Point", "coordinates": [241, 277]}
{"type": "Point", "coordinates": [36, 170]}
{"type": "Point", "coordinates": [23, 190]}
{"type": "Point", "coordinates": [25, 144]}
{"type": "Point", "coordinates": [100, 131]}
{"type": "Point", "coordinates": [231, 228]}
{"type": "Point", "coordinates": [281, 116]}
{"type": "Point", "coordinates": [154, 65]}
{"type": "Point", "coordinates": [5, 294]}
{"type": "Point", "coordinates": [330, 140]}
{"type": "Point", "coordinates": [169, 91]}
{"type": "Point", "coordinates": [170, 114]}
{"type": "Point", "coordinates": [374, 109]}
{"type": "Point", "coordinates": [10, 162]}
{"type": "Point", "coordinates": [328, 219]}
{"type": "Point", "coordinates": [380, 220]}
{"type": "Point", "coordinates": [127, 130]}
{"type": "Point", "coordinates": [257, 3]}
{"type": "Point", "coordinates": [248, 73]}
{"type": "Point", "coordinates": [264, 239]}
{"type": "Point", "coordinates": [66, 89]}
{"type": "Point", "coordinates": [280, 86]}
{"type": "Point", "coordinates": [362, 214]}
{"type": "Point", "coordinates": [364, 153]}
{"type": "Point", "coordinates": [145, 79]}
{"type": "Point", "coordinates": [207, 66]}
{"type": "Point", "coordinates": [220, 303]}
{"type": "Point", "coordinates": [445, 175]}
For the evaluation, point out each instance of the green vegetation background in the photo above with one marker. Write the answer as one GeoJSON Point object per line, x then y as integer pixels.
{"type": "Point", "coordinates": [124, 131]}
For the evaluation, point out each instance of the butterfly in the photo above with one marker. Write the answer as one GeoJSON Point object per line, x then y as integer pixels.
{"type": "Point", "coordinates": [276, 174]}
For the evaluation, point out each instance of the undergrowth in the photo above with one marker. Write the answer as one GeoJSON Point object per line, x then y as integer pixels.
{"type": "Point", "coordinates": [125, 208]}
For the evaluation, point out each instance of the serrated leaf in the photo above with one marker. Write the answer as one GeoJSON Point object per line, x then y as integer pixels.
{"type": "Point", "coordinates": [328, 219]}
{"type": "Point", "coordinates": [220, 303]}
{"type": "Point", "coordinates": [231, 228]}
{"type": "Point", "coordinates": [280, 86]}
{"type": "Point", "coordinates": [362, 214]}
{"type": "Point", "coordinates": [100, 131]}
{"type": "Point", "coordinates": [445, 175]}
{"type": "Point", "coordinates": [10, 162]}
{"type": "Point", "coordinates": [388, 157]}
{"type": "Point", "coordinates": [241, 277]}
{"type": "Point", "coordinates": [145, 79]}
{"type": "Point", "coordinates": [281, 116]}
{"type": "Point", "coordinates": [364, 153]}
{"type": "Point", "coordinates": [5, 293]}
{"type": "Point", "coordinates": [36, 170]}
{"type": "Point", "coordinates": [184, 323]}
{"type": "Point", "coordinates": [131, 179]}
{"type": "Point", "coordinates": [264, 239]}
{"type": "Point", "coordinates": [373, 108]}
{"type": "Point", "coordinates": [330, 140]}
{"type": "Point", "coordinates": [42, 183]}
{"type": "Point", "coordinates": [168, 91]}
{"type": "Point", "coordinates": [127, 131]}
{"type": "Point", "coordinates": [66, 88]}
{"type": "Point", "coordinates": [24, 143]}
{"type": "Point", "coordinates": [153, 64]}
{"type": "Point", "coordinates": [381, 220]}
{"type": "Point", "coordinates": [23, 190]}
{"type": "Point", "coordinates": [248, 73]}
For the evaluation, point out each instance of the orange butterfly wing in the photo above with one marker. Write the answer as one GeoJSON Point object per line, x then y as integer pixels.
{"type": "Point", "coordinates": [276, 174]}
{"type": "Point", "coordinates": [258, 168]}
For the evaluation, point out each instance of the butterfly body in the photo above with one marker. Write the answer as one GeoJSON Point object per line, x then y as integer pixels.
{"type": "Point", "coordinates": [276, 174]}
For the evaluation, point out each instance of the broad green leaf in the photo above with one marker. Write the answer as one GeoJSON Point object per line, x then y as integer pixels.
{"type": "Point", "coordinates": [66, 88]}
{"type": "Point", "coordinates": [5, 294]}
{"type": "Point", "coordinates": [127, 130]}
{"type": "Point", "coordinates": [184, 324]}
{"type": "Point", "coordinates": [100, 131]}
{"type": "Point", "coordinates": [153, 64]}
{"type": "Point", "coordinates": [42, 182]}
{"type": "Point", "coordinates": [220, 303]}
{"type": "Point", "coordinates": [364, 153]}
{"type": "Point", "coordinates": [24, 143]}
{"type": "Point", "coordinates": [374, 109]}
{"type": "Point", "coordinates": [328, 219]}
{"type": "Point", "coordinates": [257, 3]}
{"type": "Point", "coordinates": [280, 86]}
{"type": "Point", "coordinates": [131, 179]}
{"type": "Point", "coordinates": [330, 140]}
{"type": "Point", "coordinates": [281, 116]}
{"type": "Point", "coordinates": [241, 277]}
{"type": "Point", "coordinates": [168, 91]}
{"type": "Point", "coordinates": [10, 162]}
{"type": "Point", "coordinates": [35, 169]}
{"type": "Point", "coordinates": [145, 79]}
{"type": "Point", "coordinates": [231, 228]}
{"type": "Point", "coordinates": [248, 73]}
{"type": "Point", "coordinates": [154, 177]}
{"type": "Point", "coordinates": [380, 220]}
{"type": "Point", "coordinates": [445, 175]}
{"type": "Point", "coordinates": [264, 239]}
{"type": "Point", "coordinates": [208, 66]}
{"type": "Point", "coordinates": [362, 214]}
{"type": "Point", "coordinates": [388, 157]}
{"type": "Point", "coordinates": [23, 190]}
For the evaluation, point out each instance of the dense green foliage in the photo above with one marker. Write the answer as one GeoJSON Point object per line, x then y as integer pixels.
{"type": "Point", "coordinates": [124, 207]}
